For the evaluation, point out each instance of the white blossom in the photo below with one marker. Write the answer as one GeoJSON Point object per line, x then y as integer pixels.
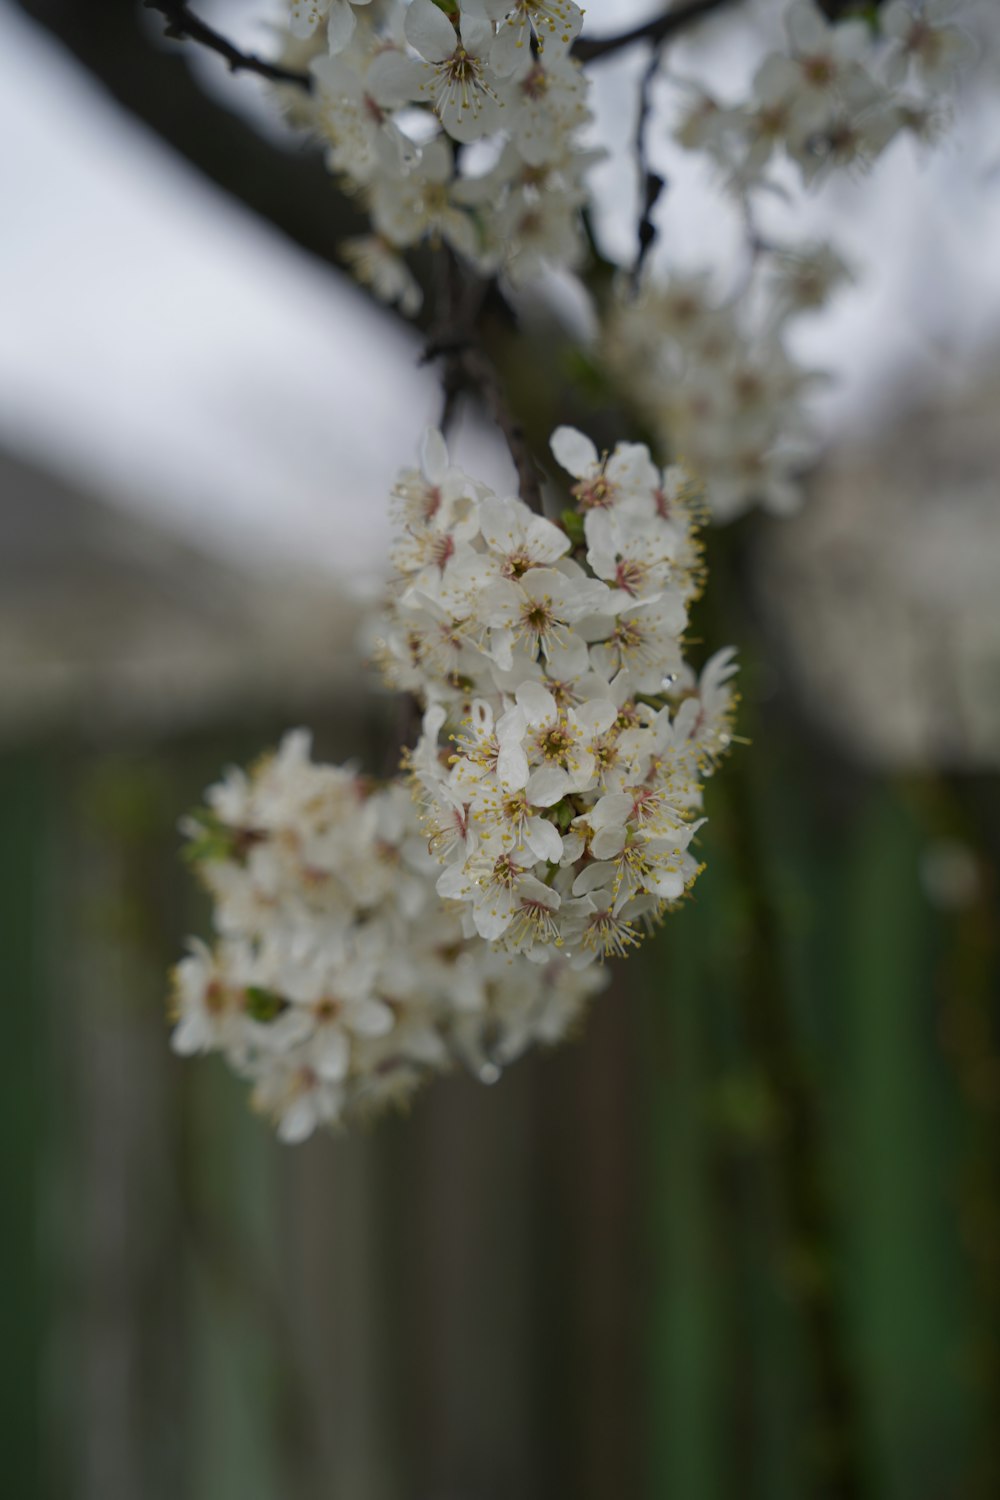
{"type": "Point", "coordinates": [339, 981]}
{"type": "Point", "coordinates": [573, 688]}
{"type": "Point", "coordinates": [307, 15]}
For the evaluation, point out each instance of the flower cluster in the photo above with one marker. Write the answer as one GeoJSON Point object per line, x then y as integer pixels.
{"type": "Point", "coordinates": [401, 89]}
{"type": "Point", "coordinates": [565, 739]}
{"type": "Point", "coordinates": [837, 96]}
{"type": "Point", "coordinates": [370, 936]}
{"type": "Point", "coordinates": [714, 378]}
{"type": "Point", "coordinates": [339, 980]}
{"type": "Point", "coordinates": [712, 374]}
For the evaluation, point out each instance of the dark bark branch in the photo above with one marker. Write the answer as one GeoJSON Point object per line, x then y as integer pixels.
{"type": "Point", "coordinates": [182, 25]}
{"type": "Point", "coordinates": [468, 369]}
{"type": "Point", "coordinates": [651, 184]}
{"type": "Point", "coordinates": [481, 375]}
{"type": "Point", "coordinates": [289, 188]}
{"type": "Point", "coordinates": [657, 31]}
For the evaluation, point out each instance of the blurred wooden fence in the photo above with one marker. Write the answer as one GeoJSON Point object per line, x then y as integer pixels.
{"type": "Point", "coordinates": [583, 1282]}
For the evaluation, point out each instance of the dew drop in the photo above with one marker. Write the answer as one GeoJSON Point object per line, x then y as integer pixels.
{"type": "Point", "coordinates": [489, 1073]}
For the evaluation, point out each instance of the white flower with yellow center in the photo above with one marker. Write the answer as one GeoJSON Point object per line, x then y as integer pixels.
{"type": "Point", "coordinates": [627, 476]}
{"type": "Point", "coordinates": [453, 75]}
{"type": "Point", "coordinates": [925, 40]}
{"type": "Point", "coordinates": [307, 15]}
{"type": "Point", "coordinates": [553, 23]}
{"type": "Point", "coordinates": [497, 887]}
{"type": "Point", "coordinates": [537, 612]}
{"type": "Point", "coordinates": [643, 639]}
{"type": "Point", "coordinates": [416, 201]}
{"type": "Point", "coordinates": [558, 744]}
{"type": "Point", "coordinates": [518, 538]}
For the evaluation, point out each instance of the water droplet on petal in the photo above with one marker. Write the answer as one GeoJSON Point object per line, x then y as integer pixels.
{"type": "Point", "coordinates": [489, 1073]}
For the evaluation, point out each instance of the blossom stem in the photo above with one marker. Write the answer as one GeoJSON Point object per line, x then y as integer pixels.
{"type": "Point", "coordinates": [184, 25]}
{"type": "Point", "coordinates": [651, 184]}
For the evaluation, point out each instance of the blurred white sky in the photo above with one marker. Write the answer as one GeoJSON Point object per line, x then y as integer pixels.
{"type": "Point", "coordinates": [166, 346]}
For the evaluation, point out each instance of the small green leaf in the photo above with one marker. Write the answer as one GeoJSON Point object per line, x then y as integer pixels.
{"type": "Point", "coordinates": [572, 523]}
{"type": "Point", "coordinates": [263, 1005]}
{"type": "Point", "coordinates": [562, 814]}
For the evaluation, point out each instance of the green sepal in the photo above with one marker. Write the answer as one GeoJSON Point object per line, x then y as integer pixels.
{"type": "Point", "coordinates": [562, 814]}
{"type": "Point", "coordinates": [571, 522]}
{"type": "Point", "coordinates": [214, 841]}
{"type": "Point", "coordinates": [263, 1005]}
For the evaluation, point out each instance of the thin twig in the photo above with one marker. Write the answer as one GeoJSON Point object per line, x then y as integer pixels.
{"type": "Point", "coordinates": [659, 30]}
{"type": "Point", "coordinates": [183, 25]}
{"type": "Point", "coordinates": [651, 184]}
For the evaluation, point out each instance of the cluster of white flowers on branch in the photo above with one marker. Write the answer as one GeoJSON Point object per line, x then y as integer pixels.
{"type": "Point", "coordinates": [713, 374]}
{"type": "Point", "coordinates": [714, 378]}
{"type": "Point", "coordinates": [565, 739]}
{"type": "Point", "coordinates": [339, 981]}
{"type": "Point", "coordinates": [371, 936]}
{"type": "Point", "coordinates": [401, 89]}
{"type": "Point", "coordinates": [838, 96]}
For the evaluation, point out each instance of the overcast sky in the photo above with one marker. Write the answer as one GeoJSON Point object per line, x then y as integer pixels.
{"type": "Point", "coordinates": [169, 349]}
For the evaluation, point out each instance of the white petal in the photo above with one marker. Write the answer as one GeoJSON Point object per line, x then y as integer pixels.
{"type": "Point", "coordinates": [298, 1122]}
{"type": "Point", "coordinates": [537, 702]}
{"type": "Point", "coordinates": [331, 1052]}
{"type": "Point", "coordinates": [393, 79]}
{"type": "Point", "coordinates": [546, 542]}
{"type": "Point", "coordinates": [613, 809]}
{"type": "Point", "coordinates": [776, 80]}
{"type": "Point", "coordinates": [303, 17]}
{"type": "Point", "coordinates": [607, 842]}
{"type": "Point", "coordinates": [512, 767]}
{"type": "Point", "coordinates": [596, 716]}
{"type": "Point", "coordinates": [668, 885]}
{"type": "Point", "coordinates": [509, 49]}
{"type": "Point", "coordinates": [547, 786]}
{"type": "Point", "coordinates": [453, 883]}
{"type": "Point", "coordinates": [477, 33]}
{"type": "Point", "coordinates": [546, 583]}
{"type": "Point", "coordinates": [429, 31]}
{"type": "Point", "coordinates": [370, 1018]}
{"type": "Point", "coordinates": [543, 839]}
{"type": "Point", "coordinates": [593, 877]}
{"type": "Point", "coordinates": [467, 123]}
{"type": "Point", "coordinates": [529, 888]}
{"type": "Point", "coordinates": [492, 913]}
{"type": "Point", "coordinates": [807, 30]}
{"type": "Point", "coordinates": [574, 452]}
{"type": "Point", "coordinates": [500, 525]}
{"type": "Point", "coordinates": [340, 27]}
{"type": "Point", "coordinates": [482, 716]}
{"type": "Point", "coordinates": [192, 1034]}
{"type": "Point", "coordinates": [433, 456]}
{"type": "Point", "coordinates": [500, 603]}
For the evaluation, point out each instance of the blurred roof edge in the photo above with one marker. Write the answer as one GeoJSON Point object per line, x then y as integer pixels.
{"type": "Point", "coordinates": [110, 624]}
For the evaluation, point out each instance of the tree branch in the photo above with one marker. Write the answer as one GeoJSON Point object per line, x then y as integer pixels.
{"type": "Point", "coordinates": [651, 184]}
{"type": "Point", "coordinates": [657, 31]}
{"type": "Point", "coordinates": [182, 25]}
{"type": "Point", "coordinates": [288, 187]}
{"type": "Point", "coordinates": [469, 370]}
